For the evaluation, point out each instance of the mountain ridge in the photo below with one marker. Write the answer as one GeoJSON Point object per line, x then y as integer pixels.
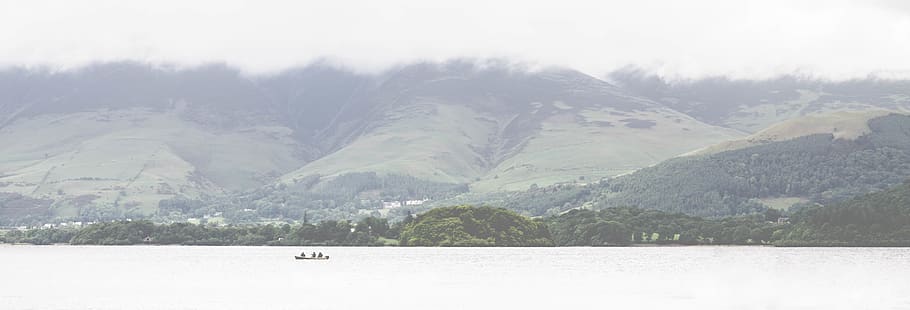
{"type": "Point", "coordinates": [83, 139]}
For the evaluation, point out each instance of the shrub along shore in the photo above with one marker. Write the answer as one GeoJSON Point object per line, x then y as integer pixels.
{"type": "Point", "coordinates": [843, 225]}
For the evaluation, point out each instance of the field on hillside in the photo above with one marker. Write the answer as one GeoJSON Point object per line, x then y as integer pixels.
{"type": "Point", "coordinates": [848, 125]}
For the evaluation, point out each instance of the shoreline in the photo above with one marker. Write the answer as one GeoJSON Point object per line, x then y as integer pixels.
{"type": "Point", "coordinates": [535, 247]}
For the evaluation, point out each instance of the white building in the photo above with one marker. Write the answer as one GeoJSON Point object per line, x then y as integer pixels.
{"type": "Point", "coordinates": [415, 202]}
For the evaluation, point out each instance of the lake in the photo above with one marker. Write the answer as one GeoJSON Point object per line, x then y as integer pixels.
{"type": "Point", "coordinates": [175, 277]}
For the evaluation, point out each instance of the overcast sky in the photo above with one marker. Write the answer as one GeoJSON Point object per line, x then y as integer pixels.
{"type": "Point", "coordinates": [827, 38]}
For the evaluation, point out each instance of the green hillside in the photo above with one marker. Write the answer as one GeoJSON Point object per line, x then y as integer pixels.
{"type": "Point", "coordinates": [817, 168]}
{"type": "Point", "coordinates": [588, 144]}
{"type": "Point", "coordinates": [128, 140]}
{"type": "Point", "coordinates": [847, 125]}
{"type": "Point", "coordinates": [506, 130]}
{"type": "Point", "coordinates": [131, 159]}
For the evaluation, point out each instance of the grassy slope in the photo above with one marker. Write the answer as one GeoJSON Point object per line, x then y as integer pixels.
{"type": "Point", "coordinates": [776, 174]}
{"type": "Point", "coordinates": [843, 125]}
{"type": "Point", "coordinates": [427, 140]}
{"type": "Point", "coordinates": [134, 158]}
{"type": "Point", "coordinates": [758, 117]}
{"type": "Point", "coordinates": [810, 103]}
{"type": "Point", "coordinates": [577, 144]}
{"type": "Point", "coordinates": [448, 143]}
{"type": "Point", "coordinates": [811, 169]}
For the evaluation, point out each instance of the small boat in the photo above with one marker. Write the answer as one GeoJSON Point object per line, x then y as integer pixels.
{"type": "Point", "coordinates": [305, 257]}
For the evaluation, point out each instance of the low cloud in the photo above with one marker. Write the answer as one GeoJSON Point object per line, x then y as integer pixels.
{"type": "Point", "coordinates": [677, 39]}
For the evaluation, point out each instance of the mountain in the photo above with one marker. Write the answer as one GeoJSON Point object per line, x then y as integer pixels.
{"type": "Point", "coordinates": [505, 130]}
{"type": "Point", "coordinates": [134, 140]}
{"type": "Point", "coordinates": [122, 137]}
{"type": "Point", "coordinates": [816, 168]}
{"type": "Point", "coordinates": [753, 105]}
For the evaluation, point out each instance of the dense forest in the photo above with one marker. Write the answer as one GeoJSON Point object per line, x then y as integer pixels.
{"type": "Point", "coordinates": [817, 168]}
{"type": "Point", "coordinates": [877, 219]}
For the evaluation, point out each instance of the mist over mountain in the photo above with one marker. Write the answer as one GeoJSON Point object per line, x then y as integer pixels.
{"type": "Point", "coordinates": [753, 105]}
{"type": "Point", "coordinates": [128, 139]}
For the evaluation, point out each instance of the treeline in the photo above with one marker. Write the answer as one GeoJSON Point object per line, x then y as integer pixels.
{"type": "Point", "coordinates": [39, 236]}
{"type": "Point", "coordinates": [878, 219]}
{"type": "Point", "coordinates": [630, 225]}
{"type": "Point", "coordinates": [448, 226]}
{"type": "Point", "coordinates": [367, 232]}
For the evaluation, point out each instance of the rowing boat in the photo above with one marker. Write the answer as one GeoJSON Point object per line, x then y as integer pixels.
{"type": "Point", "coordinates": [316, 258]}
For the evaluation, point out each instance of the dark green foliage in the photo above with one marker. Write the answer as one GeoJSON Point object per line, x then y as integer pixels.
{"type": "Point", "coordinates": [878, 219]}
{"type": "Point", "coordinates": [38, 236]}
{"type": "Point", "coordinates": [548, 200]}
{"type": "Point", "coordinates": [375, 226]}
{"type": "Point", "coordinates": [474, 226]}
{"type": "Point", "coordinates": [817, 167]}
{"type": "Point", "coordinates": [629, 225]}
{"type": "Point", "coordinates": [324, 233]}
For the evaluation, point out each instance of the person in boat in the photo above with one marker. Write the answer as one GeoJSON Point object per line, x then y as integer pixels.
{"type": "Point", "coordinates": [320, 254]}
{"type": "Point", "coordinates": [314, 254]}
{"type": "Point", "coordinates": [303, 254]}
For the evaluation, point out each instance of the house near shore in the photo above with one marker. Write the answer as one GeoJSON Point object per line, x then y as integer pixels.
{"type": "Point", "coordinates": [399, 204]}
{"type": "Point", "coordinates": [415, 202]}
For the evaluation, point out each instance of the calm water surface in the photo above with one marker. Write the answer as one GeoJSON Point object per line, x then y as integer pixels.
{"type": "Point", "coordinates": [165, 277]}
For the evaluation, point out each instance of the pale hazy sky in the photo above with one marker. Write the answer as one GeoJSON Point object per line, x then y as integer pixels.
{"type": "Point", "coordinates": [692, 38]}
